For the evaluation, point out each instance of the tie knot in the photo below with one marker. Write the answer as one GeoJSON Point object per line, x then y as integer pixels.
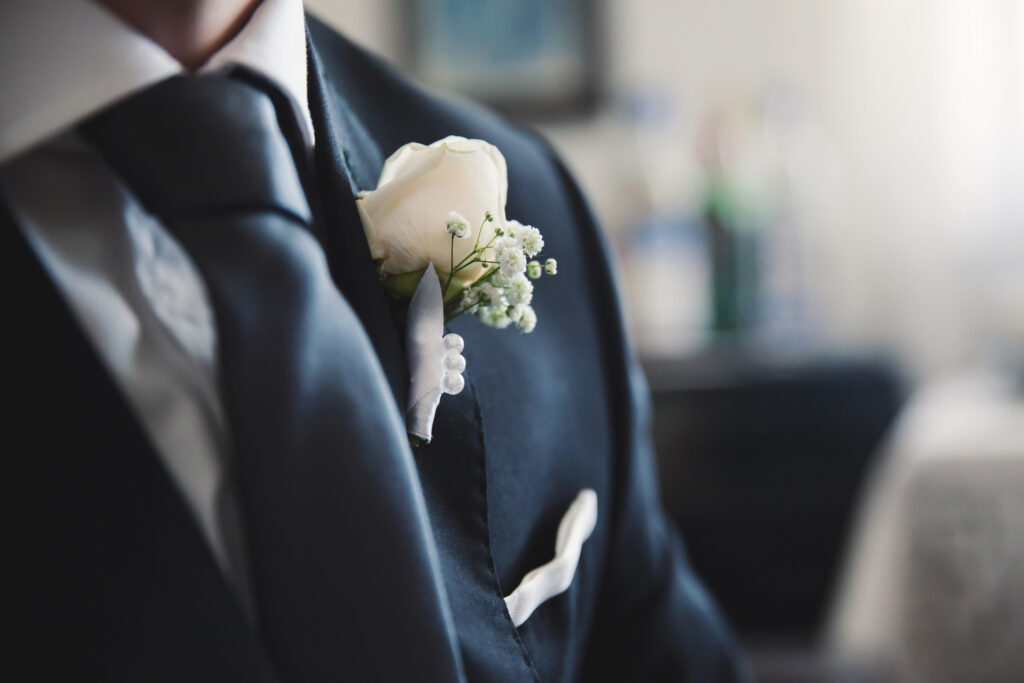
{"type": "Point", "coordinates": [201, 144]}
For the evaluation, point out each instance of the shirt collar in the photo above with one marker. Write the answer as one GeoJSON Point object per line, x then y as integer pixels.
{"type": "Point", "coordinates": [62, 60]}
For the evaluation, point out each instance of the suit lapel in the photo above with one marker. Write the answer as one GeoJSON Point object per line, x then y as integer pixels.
{"type": "Point", "coordinates": [103, 560]}
{"type": "Point", "coordinates": [346, 160]}
{"type": "Point", "coordinates": [453, 468]}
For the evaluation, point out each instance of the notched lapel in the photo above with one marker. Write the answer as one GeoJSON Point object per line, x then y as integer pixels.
{"type": "Point", "coordinates": [361, 158]}
{"type": "Point", "coordinates": [347, 160]}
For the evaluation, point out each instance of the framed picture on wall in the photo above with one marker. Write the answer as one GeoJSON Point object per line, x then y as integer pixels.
{"type": "Point", "coordinates": [526, 58]}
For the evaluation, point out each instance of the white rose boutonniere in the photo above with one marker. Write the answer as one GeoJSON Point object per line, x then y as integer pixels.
{"type": "Point", "coordinates": [437, 229]}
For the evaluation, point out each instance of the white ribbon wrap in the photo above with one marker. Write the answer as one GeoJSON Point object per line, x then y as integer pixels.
{"type": "Point", "coordinates": [435, 362]}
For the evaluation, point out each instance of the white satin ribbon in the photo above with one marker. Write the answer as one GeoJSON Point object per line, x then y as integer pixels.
{"type": "Point", "coordinates": [435, 361]}
{"type": "Point", "coordinates": [555, 577]}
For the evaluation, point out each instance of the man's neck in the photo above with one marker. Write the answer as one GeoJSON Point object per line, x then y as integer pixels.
{"type": "Point", "coordinates": [190, 30]}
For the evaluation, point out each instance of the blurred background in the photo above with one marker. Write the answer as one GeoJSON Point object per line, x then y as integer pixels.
{"type": "Point", "coordinates": [817, 210]}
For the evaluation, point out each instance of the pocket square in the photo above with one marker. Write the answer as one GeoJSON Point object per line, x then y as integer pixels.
{"type": "Point", "coordinates": [556, 576]}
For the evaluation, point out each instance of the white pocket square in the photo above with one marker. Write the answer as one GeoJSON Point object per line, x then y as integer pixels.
{"type": "Point", "coordinates": [555, 577]}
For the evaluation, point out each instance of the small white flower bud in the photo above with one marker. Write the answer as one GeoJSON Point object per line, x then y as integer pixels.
{"type": "Point", "coordinates": [528, 320]}
{"type": "Point", "coordinates": [513, 228]}
{"type": "Point", "coordinates": [551, 266]}
{"type": "Point", "coordinates": [495, 316]}
{"type": "Point", "coordinates": [519, 290]}
{"type": "Point", "coordinates": [530, 240]}
{"type": "Point", "coordinates": [458, 225]}
{"type": "Point", "coordinates": [510, 255]}
{"type": "Point", "coordinates": [488, 294]}
{"type": "Point", "coordinates": [533, 270]}
{"type": "Point", "coordinates": [515, 314]}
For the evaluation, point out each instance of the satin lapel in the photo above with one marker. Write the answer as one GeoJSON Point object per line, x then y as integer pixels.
{"type": "Point", "coordinates": [103, 561]}
{"type": "Point", "coordinates": [347, 160]}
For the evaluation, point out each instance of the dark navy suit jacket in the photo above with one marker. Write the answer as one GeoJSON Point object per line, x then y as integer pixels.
{"type": "Point", "coordinates": [105, 575]}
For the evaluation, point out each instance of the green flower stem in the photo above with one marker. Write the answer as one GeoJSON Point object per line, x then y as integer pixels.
{"type": "Point", "coordinates": [451, 266]}
{"type": "Point", "coordinates": [456, 312]}
{"type": "Point", "coordinates": [479, 232]}
{"type": "Point", "coordinates": [452, 315]}
{"type": "Point", "coordinates": [470, 258]}
{"type": "Point", "coordinates": [461, 307]}
{"type": "Point", "coordinates": [476, 250]}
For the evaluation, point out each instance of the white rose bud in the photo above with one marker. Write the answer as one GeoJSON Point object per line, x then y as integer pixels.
{"type": "Point", "coordinates": [418, 188]}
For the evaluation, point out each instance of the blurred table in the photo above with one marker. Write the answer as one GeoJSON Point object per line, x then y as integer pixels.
{"type": "Point", "coordinates": [761, 458]}
{"type": "Point", "coordinates": [934, 585]}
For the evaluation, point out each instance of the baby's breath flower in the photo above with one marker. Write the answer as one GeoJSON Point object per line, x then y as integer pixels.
{"type": "Point", "coordinates": [533, 269]}
{"type": "Point", "coordinates": [470, 297]}
{"type": "Point", "coordinates": [510, 256]}
{"type": "Point", "coordinates": [512, 228]}
{"type": "Point", "coordinates": [519, 290]}
{"type": "Point", "coordinates": [515, 313]}
{"type": "Point", "coordinates": [504, 244]}
{"type": "Point", "coordinates": [530, 240]}
{"type": "Point", "coordinates": [551, 266]}
{"type": "Point", "coordinates": [513, 262]}
{"type": "Point", "coordinates": [527, 320]}
{"type": "Point", "coordinates": [495, 316]}
{"type": "Point", "coordinates": [488, 294]}
{"type": "Point", "coordinates": [499, 280]}
{"type": "Point", "coordinates": [458, 225]}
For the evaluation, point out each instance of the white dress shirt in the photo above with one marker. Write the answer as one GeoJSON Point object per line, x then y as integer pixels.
{"type": "Point", "coordinates": [135, 292]}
